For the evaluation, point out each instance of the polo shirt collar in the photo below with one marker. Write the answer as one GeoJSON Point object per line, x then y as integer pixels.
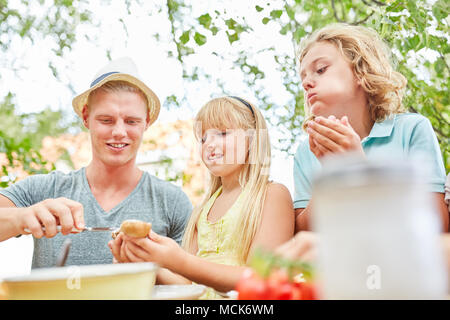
{"type": "Point", "coordinates": [382, 129]}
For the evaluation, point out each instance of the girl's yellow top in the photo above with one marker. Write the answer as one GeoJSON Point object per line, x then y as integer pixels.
{"type": "Point", "coordinates": [215, 239]}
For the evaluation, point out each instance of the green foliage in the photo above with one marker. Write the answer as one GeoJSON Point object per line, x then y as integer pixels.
{"type": "Point", "coordinates": [19, 143]}
{"type": "Point", "coordinates": [413, 29]}
{"type": "Point", "coordinates": [263, 262]}
{"type": "Point", "coordinates": [21, 134]}
{"type": "Point", "coordinates": [199, 39]}
{"type": "Point", "coordinates": [58, 22]}
{"type": "Point", "coordinates": [164, 170]}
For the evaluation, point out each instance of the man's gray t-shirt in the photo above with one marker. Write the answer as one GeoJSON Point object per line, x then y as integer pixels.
{"type": "Point", "coordinates": [153, 200]}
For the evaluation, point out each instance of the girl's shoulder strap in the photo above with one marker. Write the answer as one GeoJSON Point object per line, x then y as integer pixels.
{"type": "Point", "coordinates": [209, 203]}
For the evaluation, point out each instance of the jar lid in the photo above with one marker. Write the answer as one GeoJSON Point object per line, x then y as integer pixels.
{"type": "Point", "coordinates": [353, 170]}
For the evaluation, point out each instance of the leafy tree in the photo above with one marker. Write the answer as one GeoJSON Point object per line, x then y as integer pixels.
{"type": "Point", "coordinates": [21, 134]}
{"type": "Point", "coordinates": [415, 30]}
{"type": "Point", "coordinates": [16, 145]}
{"type": "Point", "coordinates": [28, 20]}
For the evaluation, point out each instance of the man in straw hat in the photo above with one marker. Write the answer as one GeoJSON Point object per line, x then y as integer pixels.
{"type": "Point", "coordinates": [116, 109]}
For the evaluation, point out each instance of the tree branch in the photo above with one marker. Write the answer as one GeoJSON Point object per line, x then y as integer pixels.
{"type": "Point", "coordinates": [343, 10]}
{"type": "Point", "coordinates": [363, 20]}
{"type": "Point", "coordinates": [354, 22]}
{"type": "Point", "coordinates": [437, 130]}
{"type": "Point", "coordinates": [378, 3]}
{"type": "Point", "coordinates": [170, 14]}
{"type": "Point", "coordinates": [443, 58]}
{"type": "Point", "coordinates": [335, 12]}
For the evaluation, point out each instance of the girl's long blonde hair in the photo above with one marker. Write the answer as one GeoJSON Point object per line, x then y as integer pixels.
{"type": "Point", "coordinates": [370, 59]}
{"type": "Point", "coordinates": [230, 113]}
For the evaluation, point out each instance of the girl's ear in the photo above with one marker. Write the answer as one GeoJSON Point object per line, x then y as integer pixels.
{"type": "Point", "coordinates": [250, 137]}
{"type": "Point", "coordinates": [85, 114]}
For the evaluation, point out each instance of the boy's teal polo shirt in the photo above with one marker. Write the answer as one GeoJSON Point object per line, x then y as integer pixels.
{"type": "Point", "coordinates": [405, 135]}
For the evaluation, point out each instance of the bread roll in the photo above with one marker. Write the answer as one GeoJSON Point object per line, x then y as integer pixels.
{"type": "Point", "coordinates": [134, 228]}
{"type": "Point", "coordinates": [305, 123]}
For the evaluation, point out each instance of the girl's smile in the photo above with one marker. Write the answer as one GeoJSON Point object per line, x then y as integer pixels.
{"type": "Point", "coordinates": [224, 151]}
{"type": "Point", "coordinates": [214, 156]}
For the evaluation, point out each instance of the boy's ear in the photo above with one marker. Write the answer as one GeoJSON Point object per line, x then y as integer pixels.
{"type": "Point", "coordinates": [358, 80]}
{"type": "Point", "coordinates": [85, 114]}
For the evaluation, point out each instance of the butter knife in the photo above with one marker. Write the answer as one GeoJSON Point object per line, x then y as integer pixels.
{"type": "Point", "coordinates": [74, 230]}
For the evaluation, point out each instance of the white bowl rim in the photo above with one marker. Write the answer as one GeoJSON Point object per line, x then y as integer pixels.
{"type": "Point", "coordinates": [83, 271]}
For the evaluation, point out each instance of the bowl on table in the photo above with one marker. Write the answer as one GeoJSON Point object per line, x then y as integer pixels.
{"type": "Point", "coordinates": [99, 282]}
{"type": "Point", "coordinates": [178, 292]}
{"type": "Point", "coordinates": [2, 291]}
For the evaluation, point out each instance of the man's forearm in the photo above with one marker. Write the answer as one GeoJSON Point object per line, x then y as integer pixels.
{"type": "Point", "coordinates": [8, 219]}
{"type": "Point", "coordinates": [8, 223]}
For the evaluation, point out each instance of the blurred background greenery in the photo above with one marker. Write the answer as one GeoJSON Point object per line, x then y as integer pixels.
{"type": "Point", "coordinates": [417, 32]}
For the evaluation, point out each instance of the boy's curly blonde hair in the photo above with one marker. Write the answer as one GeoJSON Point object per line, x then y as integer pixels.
{"type": "Point", "coordinates": [370, 59]}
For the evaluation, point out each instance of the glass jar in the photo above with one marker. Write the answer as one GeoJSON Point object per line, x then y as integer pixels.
{"type": "Point", "coordinates": [379, 231]}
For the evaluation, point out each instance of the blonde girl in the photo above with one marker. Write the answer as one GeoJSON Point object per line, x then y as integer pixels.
{"type": "Point", "coordinates": [353, 102]}
{"type": "Point", "coordinates": [242, 210]}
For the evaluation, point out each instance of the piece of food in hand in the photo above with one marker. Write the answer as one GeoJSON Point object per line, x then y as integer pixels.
{"type": "Point", "coordinates": [305, 123]}
{"type": "Point", "coordinates": [134, 228]}
{"type": "Point", "coordinates": [115, 233]}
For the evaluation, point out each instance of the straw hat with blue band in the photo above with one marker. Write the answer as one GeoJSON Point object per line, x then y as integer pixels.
{"type": "Point", "coordinates": [122, 69]}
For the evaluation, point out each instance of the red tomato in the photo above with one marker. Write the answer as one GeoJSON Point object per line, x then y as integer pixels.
{"type": "Point", "coordinates": [280, 288]}
{"type": "Point", "coordinates": [281, 291]}
{"type": "Point", "coordinates": [251, 287]}
{"type": "Point", "coordinates": [305, 291]}
{"type": "Point", "coordinates": [296, 292]}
